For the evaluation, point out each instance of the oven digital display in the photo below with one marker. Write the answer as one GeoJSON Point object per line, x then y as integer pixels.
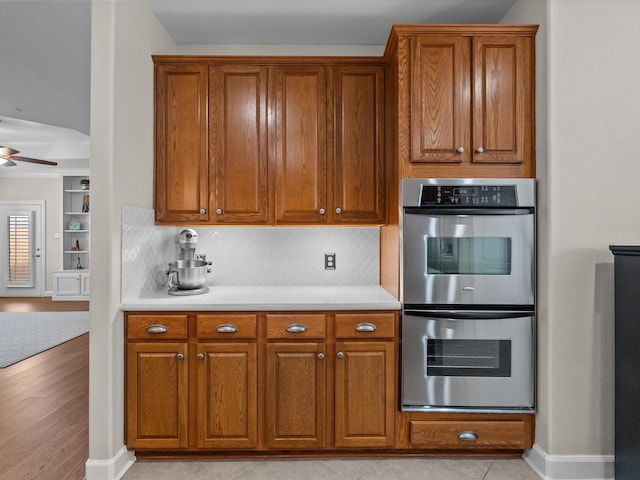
{"type": "Point", "coordinates": [465, 191]}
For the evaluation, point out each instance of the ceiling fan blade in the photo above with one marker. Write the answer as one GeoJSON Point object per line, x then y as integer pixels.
{"type": "Point", "coordinates": [33, 160]}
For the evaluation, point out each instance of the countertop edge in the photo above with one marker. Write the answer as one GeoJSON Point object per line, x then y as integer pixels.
{"type": "Point", "coordinates": [272, 298]}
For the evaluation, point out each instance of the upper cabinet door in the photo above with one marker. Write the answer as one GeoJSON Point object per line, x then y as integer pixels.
{"type": "Point", "coordinates": [238, 143]}
{"type": "Point", "coordinates": [358, 158]}
{"type": "Point", "coordinates": [181, 166]}
{"type": "Point", "coordinates": [440, 98]}
{"type": "Point", "coordinates": [503, 93]}
{"type": "Point", "coordinates": [300, 144]}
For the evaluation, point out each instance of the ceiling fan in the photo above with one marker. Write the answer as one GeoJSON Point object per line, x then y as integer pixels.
{"type": "Point", "coordinates": [8, 155]}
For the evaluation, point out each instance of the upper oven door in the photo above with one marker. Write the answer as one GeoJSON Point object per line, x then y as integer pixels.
{"type": "Point", "coordinates": [468, 258]}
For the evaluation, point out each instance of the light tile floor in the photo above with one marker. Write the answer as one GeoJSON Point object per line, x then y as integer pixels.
{"type": "Point", "coordinates": [358, 469]}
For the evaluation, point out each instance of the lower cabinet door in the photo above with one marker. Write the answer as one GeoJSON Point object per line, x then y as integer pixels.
{"type": "Point", "coordinates": [157, 404]}
{"type": "Point", "coordinates": [365, 394]}
{"type": "Point", "coordinates": [296, 391]}
{"type": "Point", "coordinates": [227, 395]}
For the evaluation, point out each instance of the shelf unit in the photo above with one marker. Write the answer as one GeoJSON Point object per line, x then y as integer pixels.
{"type": "Point", "coordinates": [72, 281]}
{"type": "Point", "coordinates": [75, 241]}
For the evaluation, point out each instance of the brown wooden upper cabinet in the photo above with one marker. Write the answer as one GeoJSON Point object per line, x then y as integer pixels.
{"type": "Point", "coordinates": [238, 143]}
{"type": "Point", "coordinates": [181, 165]}
{"type": "Point", "coordinates": [465, 104]}
{"type": "Point", "coordinates": [247, 140]}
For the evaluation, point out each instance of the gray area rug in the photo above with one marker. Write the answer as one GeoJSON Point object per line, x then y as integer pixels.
{"type": "Point", "coordinates": [23, 335]}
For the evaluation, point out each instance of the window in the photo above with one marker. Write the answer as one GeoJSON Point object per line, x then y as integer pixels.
{"type": "Point", "coordinates": [19, 244]}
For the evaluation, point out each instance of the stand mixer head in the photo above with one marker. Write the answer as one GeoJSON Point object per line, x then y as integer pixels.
{"type": "Point", "coordinates": [188, 242]}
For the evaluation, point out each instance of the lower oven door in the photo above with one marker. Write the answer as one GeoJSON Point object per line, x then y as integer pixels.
{"type": "Point", "coordinates": [479, 361]}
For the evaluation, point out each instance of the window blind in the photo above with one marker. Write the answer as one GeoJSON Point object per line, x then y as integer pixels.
{"type": "Point", "coordinates": [19, 230]}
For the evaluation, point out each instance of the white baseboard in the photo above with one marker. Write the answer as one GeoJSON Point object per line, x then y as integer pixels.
{"type": "Point", "coordinates": [569, 467]}
{"type": "Point", "coordinates": [112, 468]}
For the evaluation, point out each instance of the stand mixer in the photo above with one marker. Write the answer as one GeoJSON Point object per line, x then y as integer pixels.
{"type": "Point", "coordinates": [188, 274]}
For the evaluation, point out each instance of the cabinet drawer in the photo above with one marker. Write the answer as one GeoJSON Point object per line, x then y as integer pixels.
{"type": "Point", "coordinates": [470, 434]}
{"type": "Point", "coordinates": [365, 325]}
{"type": "Point", "coordinates": [226, 326]}
{"type": "Point", "coordinates": [157, 327]}
{"type": "Point", "coordinates": [296, 326]}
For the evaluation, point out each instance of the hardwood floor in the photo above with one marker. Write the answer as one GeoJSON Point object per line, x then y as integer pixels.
{"type": "Point", "coordinates": [44, 405]}
{"type": "Point", "coordinates": [39, 304]}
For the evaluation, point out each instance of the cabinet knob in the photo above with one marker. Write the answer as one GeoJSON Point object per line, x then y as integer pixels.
{"type": "Point", "coordinates": [322, 211]}
{"type": "Point", "coordinates": [321, 356]}
{"type": "Point", "coordinates": [219, 211]}
{"type": "Point", "coordinates": [460, 149]}
{"type": "Point", "coordinates": [180, 356]}
{"type": "Point", "coordinates": [226, 328]}
{"type": "Point", "coordinates": [296, 328]}
{"type": "Point", "coordinates": [203, 211]}
{"type": "Point", "coordinates": [340, 355]}
{"type": "Point", "coordinates": [468, 436]}
{"type": "Point", "coordinates": [156, 328]}
{"type": "Point", "coordinates": [479, 149]}
{"type": "Point", "coordinates": [200, 356]}
{"type": "Point", "coordinates": [338, 210]}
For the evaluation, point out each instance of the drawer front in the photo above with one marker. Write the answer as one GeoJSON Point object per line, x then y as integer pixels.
{"type": "Point", "coordinates": [225, 326]}
{"type": "Point", "coordinates": [157, 327]}
{"type": "Point", "coordinates": [365, 325]}
{"type": "Point", "coordinates": [296, 326]}
{"type": "Point", "coordinates": [463, 434]}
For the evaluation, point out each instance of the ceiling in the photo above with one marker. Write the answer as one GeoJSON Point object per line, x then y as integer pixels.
{"type": "Point", "coordinates": [45, 95]}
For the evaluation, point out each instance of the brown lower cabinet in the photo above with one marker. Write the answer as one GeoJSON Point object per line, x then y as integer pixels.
{"type": "Point", "coordinates": [250, 382]}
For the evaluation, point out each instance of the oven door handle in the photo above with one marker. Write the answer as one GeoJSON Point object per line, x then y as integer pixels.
{"type": "Point", "coordinates": [468, 315]}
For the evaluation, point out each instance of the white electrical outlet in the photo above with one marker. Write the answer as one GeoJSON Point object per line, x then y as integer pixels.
{"type": "Point", "coordinates": [329, 261]}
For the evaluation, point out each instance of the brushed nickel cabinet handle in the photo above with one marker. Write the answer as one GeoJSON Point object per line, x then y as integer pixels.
{"type": "Point", "coordinates": [296, 328]}
{"type": "Point", "coordinates": [460, 149]}
{"type": "Point", "coordinates": [200, 356]}
{"type": "Point", "coordinates": [180, 356]}
{"type": "Point", "coordinates": [219, 211]}
{"type": "Point", "coordinates": [338, 210]}
{"type": "Point", "coordinates": [479, 149]}
{"type": "Point", "coordinates": [226, 328]}
{"type": "Point", "coordinates": [203, 211]}
{"type": "Point", "coordinates": [468, 436]}
{"type": "Point", "coordinates": [321, 356]}
{"type": "Point", "coordinates": [365, 327]}
{"type": "Point", "coordinates": [322, 211]}
{"type": "Point", "coordinates": [156, 328]}
{"type": "Point", "coordinates": [340, 355]}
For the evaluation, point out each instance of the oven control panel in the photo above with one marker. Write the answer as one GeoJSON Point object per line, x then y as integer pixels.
{"type": "Point", "coordinates": [468, 195]}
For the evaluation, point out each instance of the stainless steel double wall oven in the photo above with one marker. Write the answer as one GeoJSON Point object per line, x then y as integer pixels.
{"type": "Point", "coordinates": [468, 295]}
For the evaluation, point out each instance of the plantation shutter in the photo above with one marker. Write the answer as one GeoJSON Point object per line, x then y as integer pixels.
{"type": "Point", "coordinates": [20, 272]}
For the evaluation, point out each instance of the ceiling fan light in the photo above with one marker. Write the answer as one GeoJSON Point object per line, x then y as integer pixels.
{"type": "Point", "coordinates": [6, 152]}
{"type": "Point", "coordinates": [6, 162]}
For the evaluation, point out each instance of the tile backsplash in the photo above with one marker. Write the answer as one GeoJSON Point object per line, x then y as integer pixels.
{"type": "Point", "coordinates": [248, 256]}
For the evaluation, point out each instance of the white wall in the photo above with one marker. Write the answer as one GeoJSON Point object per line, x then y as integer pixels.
{"type": "Point", "coordinates": [49, 189]}
{"type": "Point", "coordinates": [588, 118]}
{"type": "Point", "coordinates": [594, 116]}
{"type": "Point", "coordinates": [124, 35]}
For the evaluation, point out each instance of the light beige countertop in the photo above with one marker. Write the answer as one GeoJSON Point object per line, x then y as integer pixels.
{"type": "Point", "coordinates": [269, 298]}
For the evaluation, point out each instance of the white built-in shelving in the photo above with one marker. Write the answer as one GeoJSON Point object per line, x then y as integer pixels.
{"type": "Point", "coordinates": [72, 281]}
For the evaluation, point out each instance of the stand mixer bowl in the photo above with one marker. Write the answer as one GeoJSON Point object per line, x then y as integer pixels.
{"type": "Point", "coordinates": [187, 274]}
